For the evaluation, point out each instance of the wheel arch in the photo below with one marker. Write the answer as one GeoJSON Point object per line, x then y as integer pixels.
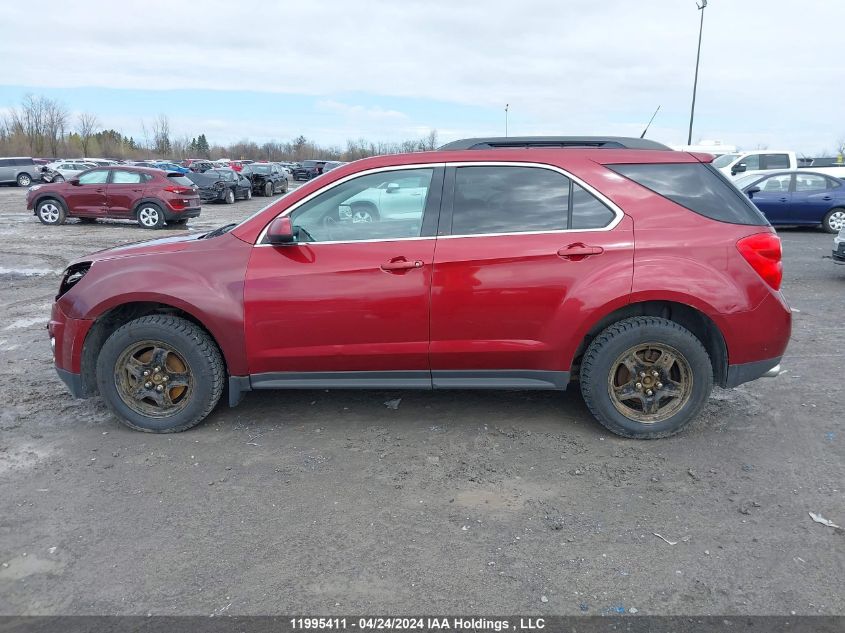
{"type": "Point", "coordinates": [113, 317]}
{"type": "Point", "coordinates": [48, 195]}
{"type": "Point", "coordinates": [147, 200]}
{"type": "Point", "coordinates": [690, 317]}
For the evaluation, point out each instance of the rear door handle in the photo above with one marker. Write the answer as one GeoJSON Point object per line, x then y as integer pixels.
{"type": "Point", "coordinates": [826, 198]}
{"type": "Point", "coordinates": [783, 199]}
{"type": "Point", "coordinates": [579, 251]}
{"type": "Point", "coordinates": [401, 264]}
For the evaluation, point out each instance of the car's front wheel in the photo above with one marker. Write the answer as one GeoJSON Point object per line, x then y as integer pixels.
{"type": "Point", "coordinates": [248, 194]}
{"type": "Point", "coordinates": [160, 373]}
{"type": "Point", "coordinates": [229, 196]}
{"type": "Point", "coordinates": [834, 221]}
{"type": "Point", "coordinates": [51, 212]}
{"type": "Point", "coordinates": [646, 377]}
{"type": "Point", "coordinates": [150, 216]}
{"type": "Point", "coordinates": [268, 189]}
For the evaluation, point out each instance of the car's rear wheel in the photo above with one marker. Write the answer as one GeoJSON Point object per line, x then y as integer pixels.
{"type": "Point", "coordinates": [834, 221]}
{"type": "Point", "coordinates": [51, 212]}
{"type": "Point", "coordinates": [285, 186]}
{"type": "Point", "coordinates": [248, 195]}
{"type": "Point", "coordinates": [24, 180]}
{"type": "Point", "coordinates": [160, 374]}
{"type": "Point", "coordinates": [150, 216]}
{"type": "Point", "coordinates": [646, 377]}
{"type": "Point", "coordinates": [229, 196]}
{"type": "Point", "coordinates": [268, 189]}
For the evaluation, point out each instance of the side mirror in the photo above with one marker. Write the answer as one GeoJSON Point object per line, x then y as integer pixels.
{"type": "Point", "coordinates": [738, 168]}
{"type": "Point", "coordinates": [752, 191]}
{"type": "Point", "coordinates": [74, 182]}
{"type": "Point", "coordinates": [392, 188]}
{"type": "Point", "coordinates": [281, 232]}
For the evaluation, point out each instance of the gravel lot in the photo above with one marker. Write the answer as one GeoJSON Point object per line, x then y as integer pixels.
{"type": "Point", "coordinates": [456, 502]}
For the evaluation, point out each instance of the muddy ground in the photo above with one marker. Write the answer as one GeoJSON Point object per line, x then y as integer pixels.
{"type": "Point", "coordinates": [456, 502]}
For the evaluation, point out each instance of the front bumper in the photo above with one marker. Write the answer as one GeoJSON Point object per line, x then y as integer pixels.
{"type": "Point", "coordinates": [67, 337]}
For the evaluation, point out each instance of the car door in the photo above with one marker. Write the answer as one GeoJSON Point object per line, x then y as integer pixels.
{"type": "Point", "coordinates": [812, 198]}
{"type": "Point", "coordinates": [774, 198]}
{"type": "Point", "coordinates": [87, 197]}
{"type": "Point", "coordinates": [523, 253]}
{"type": "Point", "coordinates": [123, 191]}
{"type": "Point", "coordinates": [347, 297]}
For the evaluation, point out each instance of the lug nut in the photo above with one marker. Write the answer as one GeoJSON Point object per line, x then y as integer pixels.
{"type": "Point", "coordinates": [157, 369]}
{"type": "Point", "coordinates": [165, 378]}
{"type": "Point", "coordinates": [654, 373]}
{"type": "Point", "coordinates": [639, 385]}
{"type": "Point", "coordinates": [642, 374]}
{"type": "Point", "coordinates": [649, 392]}
{"type": "Point", "coordinates": [160, 388]}
{"type": "Point", "coordinates": [146, 372]}
{"type": "Point", "coordinates": [148, 384]}
{"type": "Point", "coordinates": [660, 385]}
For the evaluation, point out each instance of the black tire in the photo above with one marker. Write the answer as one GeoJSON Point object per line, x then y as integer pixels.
{"type": "Point", "coordinates": [611, 344]}
{"type": "Point", "coordinates": [229, 196]}
{"type": "Point", "coordinates": [58, 178]}
{"type": "Point", "coordinates": [51, 212]}
{"type": "Point", "coordinates": [248, 194]}
{"type": "Point", "coordinates": [24, 180]}
{"type": "Point", "coordinates": [268, 189]}
{"type": "Point", "coordinates": [203, 361]}
{"type": "Point", "coordinates": [285, 186]}
{"type": "Point", "coordinates": [834, 220]}
{"type": "Point", "coordinates": [150, 215]}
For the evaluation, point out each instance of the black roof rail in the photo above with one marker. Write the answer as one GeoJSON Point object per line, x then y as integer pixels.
{"type": "Point", "coordinates": [516, 142]}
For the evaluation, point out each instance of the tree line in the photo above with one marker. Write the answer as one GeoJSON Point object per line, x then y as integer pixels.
{"type": "Point", "coordinates": [45, 128]}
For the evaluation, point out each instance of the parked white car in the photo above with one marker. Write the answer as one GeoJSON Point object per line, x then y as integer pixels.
{"type": "Point", "coordinates": [742, 163]}
{"type": "Point", "coordinates": [63, 170]}
{"type": "Point", "coordinates": [399, 199]}
{"type": "Point", "coordinates": [839, 247]}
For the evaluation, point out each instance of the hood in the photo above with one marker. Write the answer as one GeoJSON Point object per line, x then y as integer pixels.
{"type": "Point", "coordinates": [147, 247]}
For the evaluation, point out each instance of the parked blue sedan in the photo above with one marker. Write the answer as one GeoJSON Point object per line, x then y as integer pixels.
{"type": "Point", "coordinates": [170, 167]}
{"type": "Point", "coordinates": [797, 197]}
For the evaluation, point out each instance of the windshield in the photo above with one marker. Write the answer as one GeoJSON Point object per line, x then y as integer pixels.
{"type": "Point", "coordinates": [724, 160]}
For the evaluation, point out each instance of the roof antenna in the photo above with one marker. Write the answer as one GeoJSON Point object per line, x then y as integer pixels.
{"type": "Point", "coordinates": [649, 122]}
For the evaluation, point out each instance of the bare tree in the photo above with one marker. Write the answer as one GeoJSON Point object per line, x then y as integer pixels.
{"type": "Point", "coordinates": [86, 127]}
{"type": "Point", "coordinates": [161, 135]}
{"type": "Point", "coordinates": [55, 123]}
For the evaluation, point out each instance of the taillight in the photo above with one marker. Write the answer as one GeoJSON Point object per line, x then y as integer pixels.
{"type": "Point", "coordinates": [762, 251]}
{"type": "Point", "coordinates": [182, 191]}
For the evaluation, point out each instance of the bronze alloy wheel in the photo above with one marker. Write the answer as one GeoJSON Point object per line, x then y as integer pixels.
{"type": "Point", "coordinates": [650, 382]}
{"type": "Point", "coordinates": [153, 379]}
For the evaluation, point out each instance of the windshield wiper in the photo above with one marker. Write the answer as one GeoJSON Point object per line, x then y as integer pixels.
{"type": "Point", "coordinates": [220, 230]}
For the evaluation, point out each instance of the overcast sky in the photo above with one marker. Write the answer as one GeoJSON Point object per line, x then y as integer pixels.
{"type": "Point", "coordinates": [771, 70]}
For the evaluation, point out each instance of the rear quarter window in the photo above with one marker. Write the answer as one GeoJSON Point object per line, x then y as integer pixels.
{"type": "Point", "coordinates": [696, 186]}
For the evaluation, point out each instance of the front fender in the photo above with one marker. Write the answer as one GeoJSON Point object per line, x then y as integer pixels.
{"type": "Point", "coordinates": [205, 280]}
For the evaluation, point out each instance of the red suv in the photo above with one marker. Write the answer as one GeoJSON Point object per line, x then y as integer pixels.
{"type": "Point", "coordinates": [150, 196]}
{"type": "Point", "coordinates": [639, 272]}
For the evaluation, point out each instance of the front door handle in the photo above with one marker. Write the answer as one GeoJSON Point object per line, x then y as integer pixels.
{"type": "Point", "coordinates": [100, 190]}
{"type": "Point", "coordinates": [400, 264]}
{"type": "Point", "coordinates": [577, 252]}
{"type": "Point", "coordinates": [826, 198]}
{"type": "Point", "coordinates": [783, 199]}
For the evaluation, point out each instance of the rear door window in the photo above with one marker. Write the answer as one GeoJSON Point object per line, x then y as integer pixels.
{"type": "Point", "coordinates": [121, 177]}
{"type": "Point", "coordinates": [775, 161]}
{"type": "Point", "coordinates": [696, 186]}
{"type": "Point", "coordinates": [182, 181]}
{"type": "Point", "coordinates": [810, 182]}
{"type": "Point", "coordinates": [509, 199]}
{"type": "Point", "coordinates": [588, 212]}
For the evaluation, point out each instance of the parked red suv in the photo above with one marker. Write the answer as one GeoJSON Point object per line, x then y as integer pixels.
{"type": "Point", "coordinates": [639, 272]}
{"type": "Point", "coordinates": [152, 197]}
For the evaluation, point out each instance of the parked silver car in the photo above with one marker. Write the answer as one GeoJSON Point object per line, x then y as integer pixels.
{"type": "Point", "coordinates": [63, 170]}
{"type": "Point", "coordinates": [20, 170]}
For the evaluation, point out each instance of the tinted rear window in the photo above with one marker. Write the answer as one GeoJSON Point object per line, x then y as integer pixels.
{"type": "Point", "coordinates": [696, 186]}
{"type": "Point", "coordinates": [182, 181]}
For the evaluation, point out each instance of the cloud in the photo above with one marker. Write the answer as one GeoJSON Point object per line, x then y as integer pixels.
{"type": "Point", "coordinates": [769, 68]}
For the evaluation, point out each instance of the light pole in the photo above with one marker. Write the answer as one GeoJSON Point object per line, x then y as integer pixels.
{"type": "Point", "coordinates": [506, 118]}
{"type": "Point", "coordinates": [697, 58]}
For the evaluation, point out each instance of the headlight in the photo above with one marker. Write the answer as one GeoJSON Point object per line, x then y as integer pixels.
{"type": "Point", "coordinates": [72, 275]}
